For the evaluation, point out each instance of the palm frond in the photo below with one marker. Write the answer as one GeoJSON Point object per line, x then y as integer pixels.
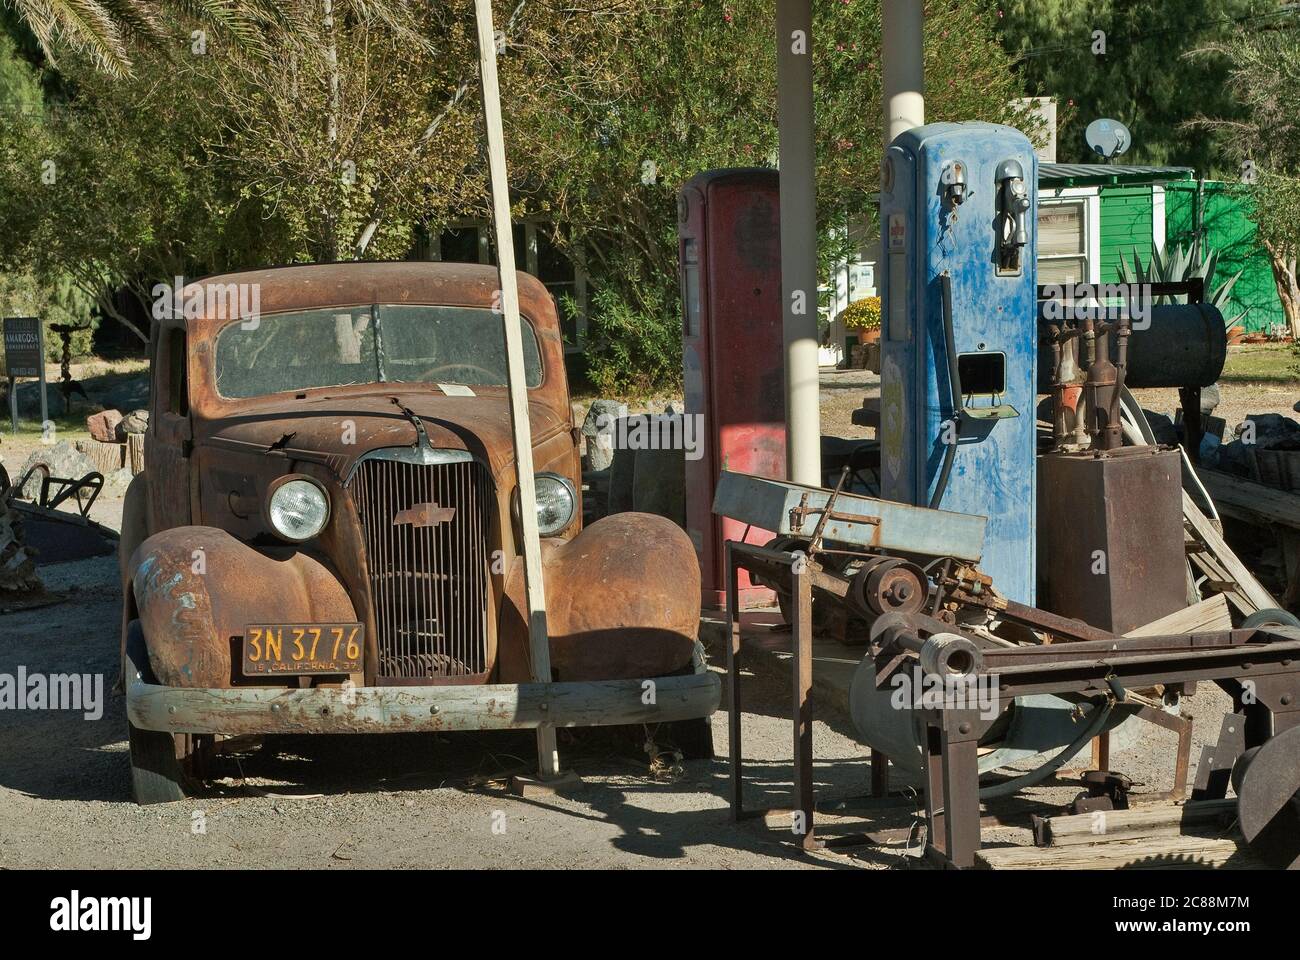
{"type": "Point", "coordinates": [84, 26]}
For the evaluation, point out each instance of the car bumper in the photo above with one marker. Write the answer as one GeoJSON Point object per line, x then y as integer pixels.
{"type": "Point", "coordinates": [506, 706]}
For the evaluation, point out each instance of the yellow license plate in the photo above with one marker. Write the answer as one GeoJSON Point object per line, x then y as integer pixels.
{"type": "Point", "coordinates": [302, 649]}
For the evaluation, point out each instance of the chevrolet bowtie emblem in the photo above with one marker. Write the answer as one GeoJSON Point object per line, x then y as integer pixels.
{"type": "Point", "coordinates": [425, 515]}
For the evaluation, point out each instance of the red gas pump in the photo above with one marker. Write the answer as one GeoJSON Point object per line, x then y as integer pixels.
{"type": "Point", "coordinates": [732, 346]}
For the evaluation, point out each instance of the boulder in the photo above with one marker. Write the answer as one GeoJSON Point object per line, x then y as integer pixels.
{"type": "Point", "coordinates": [115, 483]}
{"type": "Point", "coordinates": [599, 431]}
{"type": "Point", "coordinates": [103, 426]}
{"type": "Point", "coordinates": [137, 421]}
{"type": "Point", "coordinates": [63, 459]}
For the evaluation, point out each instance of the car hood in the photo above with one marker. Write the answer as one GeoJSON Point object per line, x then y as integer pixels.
{"type": "Point", "coordinates": [318, 429]}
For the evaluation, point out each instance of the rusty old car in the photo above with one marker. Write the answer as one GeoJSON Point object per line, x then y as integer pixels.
{"type": "Point", "coordinates": [326, 537]}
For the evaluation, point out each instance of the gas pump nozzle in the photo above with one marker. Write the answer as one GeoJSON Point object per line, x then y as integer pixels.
{"type": "Point", "coordinates": [1013, 205]}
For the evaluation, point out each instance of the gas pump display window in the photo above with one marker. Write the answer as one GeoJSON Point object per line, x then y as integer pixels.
{"type": "Point", "coordinates": [982, 374]}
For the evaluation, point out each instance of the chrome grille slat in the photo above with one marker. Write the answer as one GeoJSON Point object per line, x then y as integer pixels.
{"type": "Point", "coordinates": [428, 585]}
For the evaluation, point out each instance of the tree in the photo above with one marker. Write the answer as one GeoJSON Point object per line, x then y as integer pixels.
{"type": "Point", "coordinates": [1130, 60]}
{"type": "Point", "coordinates": [682, 86]}
{"type": "Point", "coordinates": [1264, 141]}
{"type": "Point", "coordinates": [345, 126]}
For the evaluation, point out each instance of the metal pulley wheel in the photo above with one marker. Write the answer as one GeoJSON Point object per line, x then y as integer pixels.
{"type": "Point", "coordinates": [1267, 781]}
{"type": "Point", "coordinates": [888, 585]}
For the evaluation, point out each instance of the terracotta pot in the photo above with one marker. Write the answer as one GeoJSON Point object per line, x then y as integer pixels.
{"type": "Point", "coordinates": [1236, 333]}
{"type": "Point", "coordinates": [871, 335]}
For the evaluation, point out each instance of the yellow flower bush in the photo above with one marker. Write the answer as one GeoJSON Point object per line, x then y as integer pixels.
{"type": "Point", "coordinates": [862, 314]}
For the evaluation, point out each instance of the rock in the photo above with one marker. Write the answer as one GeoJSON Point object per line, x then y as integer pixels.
{"type": "Point", "coordinates": [1210, 398]}
{"type": "Point", "coordinates": [137, 421]}
{"type": "Point", "coordinates": [61, 460]}
{"type": "Point", "coordinates": [115, 484]}
{"type": "Point", "coordinates": [601, 416]}
{"type": "Point", "coordinates": [675, 408]}
{"type": "Point", "coordinates": [599, 430]}
{"type": "Point", "coordinates": [103, 426]}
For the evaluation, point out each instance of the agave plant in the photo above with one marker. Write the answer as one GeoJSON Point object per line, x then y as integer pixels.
{"type": "Point", "coordinates": [1177, 267]}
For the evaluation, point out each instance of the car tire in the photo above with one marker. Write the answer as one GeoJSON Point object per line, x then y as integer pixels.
{"type": "Point", "coordinates": [157, 770]}
{"type": "Point", "coordinates": [1271, 617]}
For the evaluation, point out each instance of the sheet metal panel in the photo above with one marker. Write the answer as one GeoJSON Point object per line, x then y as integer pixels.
{"type": "Point", "coordinates": [771, 504]}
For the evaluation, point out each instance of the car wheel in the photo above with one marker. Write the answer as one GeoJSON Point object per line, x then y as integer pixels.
{"type": "Point", "coordinates": [157, 765]}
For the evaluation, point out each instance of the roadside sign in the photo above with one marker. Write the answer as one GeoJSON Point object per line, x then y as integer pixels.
{"type": "Point", "coordinates": [23, 347]}
{"type": "Point", "coordinates": [24, 357]}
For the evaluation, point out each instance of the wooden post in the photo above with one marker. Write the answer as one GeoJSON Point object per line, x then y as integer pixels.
{"type": "Point", "coordinates": [40, 367]}
{"type": "Point", "coordinates": [548, 758]}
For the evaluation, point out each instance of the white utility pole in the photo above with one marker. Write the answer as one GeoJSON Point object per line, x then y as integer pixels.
{"type": "Point", "coordinates": [548, 757]}
{"type": "Point", "coordinates": [902, 66]}
{"type": "Point", "coordinates": [794, 79]}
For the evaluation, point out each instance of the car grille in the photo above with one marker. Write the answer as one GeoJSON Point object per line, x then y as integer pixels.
{"type": "Point", "coordinates": [428, 570]}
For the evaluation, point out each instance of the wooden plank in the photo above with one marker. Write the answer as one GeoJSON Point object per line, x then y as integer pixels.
{"type": "Point", "coordinates": [1146, 820]}
{"type": "Point", "coordinates": [539, 643]}
{"type": "Point", "coordinates": [1207, 616]}
{"type": "Point", "coordinates": [1217, 575]}
{"type": "Point", "coordinates": [1158, 853]}
{"type": "Point", "coordinates": [1250, 588]}
{"type": "Point", "coordinates": [1252, 502]}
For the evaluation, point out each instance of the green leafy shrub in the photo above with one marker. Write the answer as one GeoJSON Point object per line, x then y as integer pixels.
{"type": "Point", "coordinates": [634, 342]}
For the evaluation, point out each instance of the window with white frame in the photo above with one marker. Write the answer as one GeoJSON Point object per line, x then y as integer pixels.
{"type": "Point", "coordinates": [1062, 241]}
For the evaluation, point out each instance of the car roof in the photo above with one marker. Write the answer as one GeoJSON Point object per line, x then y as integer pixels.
{"type": "Point", "coordinates": [309, 286]}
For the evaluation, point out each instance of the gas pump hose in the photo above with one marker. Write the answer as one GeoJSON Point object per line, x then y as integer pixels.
{"type": "Point", "coordinates": [954, 391]}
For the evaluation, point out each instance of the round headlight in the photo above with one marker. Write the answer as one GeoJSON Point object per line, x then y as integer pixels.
{"type": "Point", "coordinates": [298, 509]}
{"type": "Point", "coordinates": [556, 503]}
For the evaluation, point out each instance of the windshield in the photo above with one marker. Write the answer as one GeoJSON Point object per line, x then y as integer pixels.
{"type": "Point", "coordinates": [379, 343]}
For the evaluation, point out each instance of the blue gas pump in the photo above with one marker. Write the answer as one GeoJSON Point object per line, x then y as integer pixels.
{"type": "Point", "coordinates": [959, 337]}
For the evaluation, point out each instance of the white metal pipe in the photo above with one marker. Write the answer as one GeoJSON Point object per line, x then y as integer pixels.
{"type": "Point", "coordinates": [794, 79]}
{"type": "Point", "coordinates": [903, 66]}
{"type": "Point", "coordinates": [539, 640]}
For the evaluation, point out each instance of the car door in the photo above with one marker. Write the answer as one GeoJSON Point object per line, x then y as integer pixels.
{"type": "Point", "coordinates": [169, 437]}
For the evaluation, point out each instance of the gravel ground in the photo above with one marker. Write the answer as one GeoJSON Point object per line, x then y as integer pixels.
{"type": "Point", "coordinates": [433, 801]}
{"type": "Point", "coordinates": [430, 801]}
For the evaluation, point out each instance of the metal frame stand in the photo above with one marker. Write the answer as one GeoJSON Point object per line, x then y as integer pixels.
{"type": "Point", "coordinates": [802, 811]}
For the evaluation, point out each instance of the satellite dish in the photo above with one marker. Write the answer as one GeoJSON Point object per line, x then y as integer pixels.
{"type": "Point", "coordinates": [1108, 138]}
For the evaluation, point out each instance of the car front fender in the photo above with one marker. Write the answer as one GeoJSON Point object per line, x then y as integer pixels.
{"type": "Point", "coordinates": [622, 601]}
{"type": "Point", "coordinates": [197, 588]}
